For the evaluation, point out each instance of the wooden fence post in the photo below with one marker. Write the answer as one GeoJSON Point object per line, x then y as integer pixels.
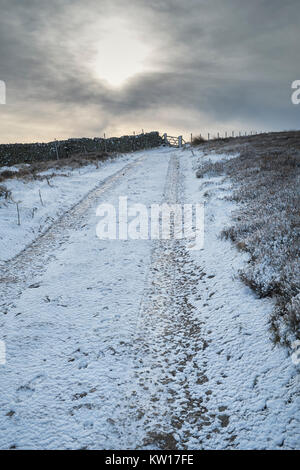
{"type": "Point", "coordinates": [18, 212]}
{"type": "Point", "coordinates": [40, 194]}
{"type": "Point", "coordinates": [56, 150]}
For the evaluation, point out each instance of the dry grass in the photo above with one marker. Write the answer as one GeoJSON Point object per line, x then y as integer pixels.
{"type": "Point", "coordinates": [4, 192]}
{"type": "Point", "coordinates": [266, 178]}
{"type": "Point", "coordinates": [34, 170]}
{"type": "Point", "coordinates": [198, 140]}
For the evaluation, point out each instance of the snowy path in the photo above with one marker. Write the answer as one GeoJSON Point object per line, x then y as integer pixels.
{"type": "Point", "coordinates": [140, 344]}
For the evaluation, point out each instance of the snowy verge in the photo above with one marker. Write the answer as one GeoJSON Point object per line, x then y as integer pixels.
{"type": "Point", "coordinates": [41, 202]}
{"type": "Point", "coordinates": [265, 224]}
{"type": "Point", "coordinates": [251, 384]}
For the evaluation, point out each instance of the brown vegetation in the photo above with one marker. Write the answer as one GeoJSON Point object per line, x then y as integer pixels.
{"type": "Point", "coordinates": [35, 169]}
{"type": "Point", "coordinates": [266, 177]}
{"type": "Point", "coordinates": [198, 140]}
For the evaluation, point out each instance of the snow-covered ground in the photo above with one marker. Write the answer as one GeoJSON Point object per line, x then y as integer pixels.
{"type": "Point", "coordinates": [41, 203]}
{"type": "Point", "coordinates": [136, 343]}
{"type": "Point", "coordinates": [254, 383]}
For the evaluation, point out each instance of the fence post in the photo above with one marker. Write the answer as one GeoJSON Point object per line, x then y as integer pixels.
{"type": "Point", "coordinates": [165, 138]}
{"type": "Point", "coordinates": [18, 212]}
{"type": "Point", "coordinates": [56, 150]}
{"type": "Point", "coordinates": [208, 136]}
{"type": "Point", "coordinates": [191, 137]}
{"type": "Point", "coordinates": [180, 141]}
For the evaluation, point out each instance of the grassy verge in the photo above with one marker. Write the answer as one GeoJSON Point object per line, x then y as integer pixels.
{"type": "Point", "coordinates": [266, 177]}
{"type": "Point", "coordinates": [34, 170]}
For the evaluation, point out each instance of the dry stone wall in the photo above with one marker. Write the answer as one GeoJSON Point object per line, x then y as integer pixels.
{"type": "Point", "coordinates": [11, 154]}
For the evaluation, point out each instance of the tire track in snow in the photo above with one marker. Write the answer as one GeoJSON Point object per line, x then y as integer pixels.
{"type": "Point", "coordinates": [166, 395]}
{"type": "Point", "coordinates": [70, 347]}
{"type": "Point", "coordinates": [24, 269]}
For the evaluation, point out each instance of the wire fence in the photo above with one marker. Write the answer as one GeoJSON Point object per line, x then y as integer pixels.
{"type": "Point", "coordinates": [223, 135]}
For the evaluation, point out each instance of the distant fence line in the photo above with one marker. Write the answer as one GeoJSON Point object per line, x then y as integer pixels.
{"type": "Point", "coordinates": [224, 135]}
{"type": "Point", "coordinates": [11, 154]}
{"type": "Point", "coordinates": [180, 142]}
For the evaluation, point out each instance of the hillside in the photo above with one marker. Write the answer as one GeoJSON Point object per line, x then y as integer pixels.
{"type": "Point", "coordinates": [266, 222]}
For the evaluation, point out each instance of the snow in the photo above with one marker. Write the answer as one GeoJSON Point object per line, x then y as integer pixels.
{"type": "Point", "coordinates": [212, 157]}
{"type": "Point", "coordinates": [256, 382]}
{"type": "Point", "coordinates": [36, 214]}
{"type": "Point", "coordinates": [136, 343]}
{"type": "Point", "coordinates": [13, 167]}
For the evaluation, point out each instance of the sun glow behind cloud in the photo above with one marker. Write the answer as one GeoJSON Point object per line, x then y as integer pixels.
{"type": "Point", "coordinates": [125, 65]}
{"type": "Point", "coordinates": [121, 53]}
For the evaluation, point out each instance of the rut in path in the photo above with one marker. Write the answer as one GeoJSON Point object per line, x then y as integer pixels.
{"type": "Point", "coordinates": [167, 409]}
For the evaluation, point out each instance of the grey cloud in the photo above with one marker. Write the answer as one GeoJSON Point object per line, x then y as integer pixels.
{"type": "Point", "coordinates": [231, 61]}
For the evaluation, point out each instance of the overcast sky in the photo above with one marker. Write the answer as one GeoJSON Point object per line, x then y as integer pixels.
{"type": "Point", "coordinates": [82, 68]}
